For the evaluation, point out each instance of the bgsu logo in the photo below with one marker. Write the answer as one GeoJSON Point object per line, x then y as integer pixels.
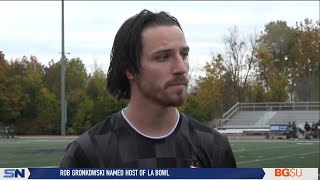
{"type": "Point", "coordinates": [286, 172]}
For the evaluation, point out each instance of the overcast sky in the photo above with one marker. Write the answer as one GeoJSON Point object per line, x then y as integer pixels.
{"type": "Point", "coordinates": [34, 27]}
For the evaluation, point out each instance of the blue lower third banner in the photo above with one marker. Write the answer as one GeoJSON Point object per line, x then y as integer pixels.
{"type": "Point", "coordinates": [171, 173]}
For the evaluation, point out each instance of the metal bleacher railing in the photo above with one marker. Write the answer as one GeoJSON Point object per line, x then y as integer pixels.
{"type": "Point", "coordinates": [264, 106]}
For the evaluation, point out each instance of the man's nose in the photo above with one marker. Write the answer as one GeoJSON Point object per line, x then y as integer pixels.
{"type": "Point", "coordinates": [180, 66]}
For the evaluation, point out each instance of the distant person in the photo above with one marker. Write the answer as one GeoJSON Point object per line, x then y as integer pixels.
{"type": "Point", "coordinates": [290, 131]}
{"type": "Point", "coordinates": [307, 128]}
{"type": "Point", "coordinates": [6, 131]}
{"type": "Point", "coordinates": [313, 130]}
{"type": "Point", "coordinates": [1, 130]}
{"type": "Point", "coordinates": [294, 130]}
{"type": "Point", "coordinates": [149, 66]}
{"type": "Point", "coordinates": [318, 127]}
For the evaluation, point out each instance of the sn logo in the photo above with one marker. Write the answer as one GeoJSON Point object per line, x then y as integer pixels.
{"type": "Point", "coordinates": [14, 173]}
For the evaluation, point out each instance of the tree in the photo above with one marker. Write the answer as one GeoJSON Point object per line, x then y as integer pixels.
{"type": "Point", "coordinates": [97, 91]}
{"type": "Point", "coordinates": [83, 116]}
{"type": "Point", "coordinates": [52, 78]}
{"type": "Point", "coordinates": [76, 81]}
{"type": "Point", "coordinates": [211, 89]}
{"type": "Point", "coordinates": [291, 54]}
{"type": "Point", "coordinates": [4, 66]}
{"type": "Point", "coordinates": [240, 58]}
{"type": "Point", "coordinates": [273, 53]}
{"type": "Point", "coordinates": [256, 92]}
{"type": "Point", "coordinates": [49, 113]}
{"type": "Point", "coordinates": [278, 88]}
{"type": "Point", "coordinates": [307, 55]}
{"type": "Point", "coordinates": [97, 85]}
{"type": "Point", "coordinates": [10, 94]}
{"type": "Point", "coordinates": [192, 108]}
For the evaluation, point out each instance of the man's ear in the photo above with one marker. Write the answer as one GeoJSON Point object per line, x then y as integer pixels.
{"type": "Point", "coordinates": [129, 74]}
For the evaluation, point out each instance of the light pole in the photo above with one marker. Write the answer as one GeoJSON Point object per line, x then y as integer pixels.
{"type": "Point", "coordinates": [63, 69]}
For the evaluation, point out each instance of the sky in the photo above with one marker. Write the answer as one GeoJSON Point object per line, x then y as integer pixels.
{"type": "Point", "coordinates": [34, 27]}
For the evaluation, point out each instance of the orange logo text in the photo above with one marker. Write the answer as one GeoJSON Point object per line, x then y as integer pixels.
{"type": "Point", "coordinates": [288, 172]}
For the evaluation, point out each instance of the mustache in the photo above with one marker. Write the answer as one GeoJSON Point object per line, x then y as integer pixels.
{"type": "Point", "coordinates": [178, 80]}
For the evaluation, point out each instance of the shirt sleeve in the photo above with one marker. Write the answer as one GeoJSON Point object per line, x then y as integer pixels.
{"type": "Point", "coordinates": [75, 157]}
{"type": "Point", "coordinates": [230, 161]}
{"type": "Point", "coordinates": [222, 154]}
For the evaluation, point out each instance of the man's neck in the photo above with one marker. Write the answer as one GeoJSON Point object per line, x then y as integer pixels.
{"type": "Point", "coordinates": [151, 119]}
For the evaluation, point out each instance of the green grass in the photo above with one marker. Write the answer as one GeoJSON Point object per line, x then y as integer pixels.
{"type": "Point", "coordinates": [248, 153]}
{"type": "Point", "coordinates": [32, 153]}
{"type": "Point", "coordinates": [276, 153]}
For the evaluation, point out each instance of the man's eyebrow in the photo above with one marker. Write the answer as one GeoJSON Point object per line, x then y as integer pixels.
{"type": "Point", "coordinates": [162, 51]}
{"type": "Point", "coordinates": [186, 48]}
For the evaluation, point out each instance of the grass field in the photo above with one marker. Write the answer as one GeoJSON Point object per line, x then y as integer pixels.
{"type": "Point", "coordinates": [248, 152]}
{"type": "Point", "coordinates": [276, 153]}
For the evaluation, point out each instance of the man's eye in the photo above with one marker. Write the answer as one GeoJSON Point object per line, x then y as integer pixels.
{"type": "Point", "coordinates": [162, 58]}
{"type": "Point", "coordinates": [184, 55]}
{"type": "Point", "coordinates": [166, 56]}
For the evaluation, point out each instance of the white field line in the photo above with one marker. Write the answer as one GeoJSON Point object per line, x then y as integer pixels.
{"type": "Point", "coordinates": [271, 141]}
{"type": "Point", "coordinates": [242, 149]}
{"type": "Point", "coordinates": [279, 157]}
{"type": "Point", "coordinates": [34, 140]}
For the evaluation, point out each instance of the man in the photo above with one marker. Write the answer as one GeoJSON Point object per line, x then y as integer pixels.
{"type": "Point", "coordinates": [307, 129]}
{"type": "Point", "coordinates": [318, 129]}
{"type": "Point", "coordinates": [289, 135]}
{"type": "Point", "coordinates": [313, 130]}
{"type": "Point", "coordinates": [149, 66]}
{"type": "Point", "coordinates": [294, 130]}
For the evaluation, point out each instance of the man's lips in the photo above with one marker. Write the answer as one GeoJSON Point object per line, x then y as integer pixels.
{"type": "Point", "coordinates": [178, 84]}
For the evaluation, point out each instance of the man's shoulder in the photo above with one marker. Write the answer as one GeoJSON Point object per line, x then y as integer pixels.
{"type": "Point", "coordinates": [213, 146]}
{"type": "Point", "coordinates": [84, 146]}
{"type": "Point", "coordinates": [203, 130]}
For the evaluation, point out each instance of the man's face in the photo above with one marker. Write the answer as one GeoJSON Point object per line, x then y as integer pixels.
{"type": "Point", "coordinates": [164, 60]}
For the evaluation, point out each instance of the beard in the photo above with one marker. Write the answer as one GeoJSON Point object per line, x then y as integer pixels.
{"type": "Point", "coordinates": [166, 95]}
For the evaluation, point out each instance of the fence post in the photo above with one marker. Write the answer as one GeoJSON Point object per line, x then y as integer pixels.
{"type": "Point", "coordinates": [293, 106]}
{"type": "Point", "coordinates": [280, 107]}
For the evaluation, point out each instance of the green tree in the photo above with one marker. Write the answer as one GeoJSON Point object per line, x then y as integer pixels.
{"type": "Point", "coordinates": [278, 88]}
{"type": "Point", "coordinates": [97, 85]}
{"type": "Point", "coordinates": [52, 78]}
{"type": "Point", "coordinates": [76, 81]}
{"type": "Point", "coordinates": [212, 88]}
{"type": "Point", "coordinates": [257, 92]}
{"type": "Point", "coordinates": [97, 90]}
{"type": "Point", "coordinates": [10, 94]}
{"type": "Point", "coordinates": [291, 54]}
{"type": "Point", "coordinates": [193, 108]}
{"type": "Point", "coordinates": [306, 52]}
{"type": "Point", "coordinates": [83, 116]}
{"type": "Point", "coordinates": [275, 60]}
{"type": "Point", "coordinates": [49, 113]}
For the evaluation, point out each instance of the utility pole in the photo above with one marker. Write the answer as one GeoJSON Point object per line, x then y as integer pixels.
{"type": "Point", "coordinates": [63, 69]}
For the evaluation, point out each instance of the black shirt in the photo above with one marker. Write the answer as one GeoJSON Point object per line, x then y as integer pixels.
{"type": "Point", "coordinates": [113, 143]}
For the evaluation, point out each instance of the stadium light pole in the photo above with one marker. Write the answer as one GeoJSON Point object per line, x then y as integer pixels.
{"type": "Point", "coordinates": [63, 69]}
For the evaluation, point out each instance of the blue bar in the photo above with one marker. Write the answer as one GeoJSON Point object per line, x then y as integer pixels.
{"type": "Point", "coordinates": [136, 173]}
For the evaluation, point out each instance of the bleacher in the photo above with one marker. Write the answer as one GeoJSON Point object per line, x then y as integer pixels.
{"type": "Point", "coordinates": [257, 117]}
{"type": "Point", "coordinates": [300, 117]}
{"type": "Point", "coordinates": [244, 119]}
